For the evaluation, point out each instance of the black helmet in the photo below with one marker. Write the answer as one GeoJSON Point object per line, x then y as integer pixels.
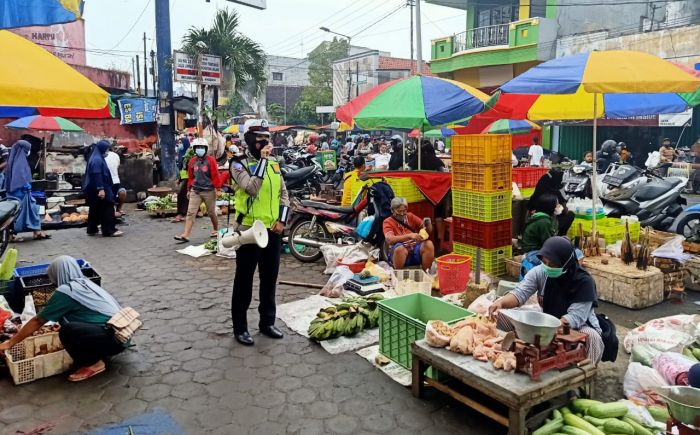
{"type": "Point", "coordinates": [608, 147]}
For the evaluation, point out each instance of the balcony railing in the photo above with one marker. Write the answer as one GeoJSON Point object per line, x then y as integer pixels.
{"type": "Point", "coordinates": [487, 36]}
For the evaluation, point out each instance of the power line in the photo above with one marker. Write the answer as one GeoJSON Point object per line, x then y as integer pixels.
{"type": "Point", "coordinates": [381, 19]}
{"type": "Point", "coordinates": [133, 25]}
{"type": "Point", "coordinates": [609, 3]}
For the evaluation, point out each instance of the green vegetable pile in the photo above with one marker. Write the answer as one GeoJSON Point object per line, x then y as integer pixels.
{"type": "Point", "coordinates": [692, 351]}
{"type": "Point", "coordinates": [211, 245]}
{"type": "Point", "coordinates": [347, 318]}
{"type": "Point", "coordinates": [225, 196]}
{"type": "Point", "coordinates": [591, 417]}
{"type": "Point", "coordinates": [163, 203]}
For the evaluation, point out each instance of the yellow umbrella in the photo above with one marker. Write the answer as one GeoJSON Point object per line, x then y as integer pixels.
{"type": "Point", "coordinates": [33, 77]}
{"type": "Point", "coordinates": [234, 128]}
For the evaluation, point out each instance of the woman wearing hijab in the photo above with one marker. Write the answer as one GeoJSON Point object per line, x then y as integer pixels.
{"type": "Point", "coordinates": [18, 184]}
{"type": "Point", "coordinates": [429, 161]}
{"type": "Point", "coordinates": [551, 182]}
{"type": "Point", "coordinates": [97, 187]}
{"type": "Point", "coordinates": [564, 290]}
{"type": "Point", "coordinates": [83, 309]}
{"type": "Point", "coordinates": [184, 154]}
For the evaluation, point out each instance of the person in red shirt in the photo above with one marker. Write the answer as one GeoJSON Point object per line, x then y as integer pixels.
{"type": "Point", "coordinates": [203, 182]}
{"type": "Point", "coordinates": [406, 246]}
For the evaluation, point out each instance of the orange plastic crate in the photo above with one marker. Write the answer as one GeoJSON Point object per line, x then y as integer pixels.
{"type": "Point", "coordinates": [528, 176]}
{"type": "Point", "coordinates": [486, 235]}
{"type": "Point", "coordinates": [422, 209]}
{"type": "Point", "coordinates": [493, 177]}
{"type": "Point", "coordinates": [481, 148]}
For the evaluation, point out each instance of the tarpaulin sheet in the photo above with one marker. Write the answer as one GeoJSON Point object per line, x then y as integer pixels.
{"type": "Point", "coordinates": [434, 185]}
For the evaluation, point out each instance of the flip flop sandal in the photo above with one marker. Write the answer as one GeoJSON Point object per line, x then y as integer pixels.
{"type": "Point", "coordinates": [84, 373]}
{"type": "Point", "coordinates": [42, 237]}
{"type": "Point", "coordinates": [176, 220]}
{"type": "Point", "coordinates": [16, 239]}
{"type": "Point", "coordinates": [181, 239]}
{"type": "Point", "coordinates": [214, 234]}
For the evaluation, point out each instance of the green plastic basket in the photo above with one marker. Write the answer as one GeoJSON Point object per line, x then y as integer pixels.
{"type": "Point", "coordinates": [402, 321]}
{"type": "Point", "coordinates": [484, 207]}
{"type": "Point", "coordinates": [610, 229]}
{"type": "Point", "coordinates": [493, 261]}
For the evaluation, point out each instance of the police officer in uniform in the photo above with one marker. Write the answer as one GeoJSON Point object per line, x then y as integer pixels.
{"type": "Point", "coordinates": [260, 195]}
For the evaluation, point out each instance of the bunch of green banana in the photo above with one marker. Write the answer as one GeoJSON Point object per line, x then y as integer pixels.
{"type": "Point", "coordinates": [347, 318]}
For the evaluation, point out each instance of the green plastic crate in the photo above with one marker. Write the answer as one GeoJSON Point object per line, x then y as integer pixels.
{"type": "Point", "coordinates": [493, 261]}
{"type": "Point", "coordinates": [402, 321]}
{"type": "Point", "coordinates": [610, 229]}
{"type": "Point", "coordinates": [484, 207]}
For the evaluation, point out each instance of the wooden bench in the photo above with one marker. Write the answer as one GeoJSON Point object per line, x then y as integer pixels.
{"type": "Point", "coordinates": [516, 391]}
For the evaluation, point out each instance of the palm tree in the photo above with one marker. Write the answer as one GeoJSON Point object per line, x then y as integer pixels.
{"type": "Point", "coordinates": [243, 59]}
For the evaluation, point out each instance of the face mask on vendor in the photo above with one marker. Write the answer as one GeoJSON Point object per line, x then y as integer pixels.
{"type": "Point", "coordinates": [551, 271]}
{"type": "Point", "coordinates": [401, 213]}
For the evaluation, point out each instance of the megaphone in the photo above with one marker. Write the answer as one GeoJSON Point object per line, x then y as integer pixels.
{"type": "Point", "coordinates": [256, 234]}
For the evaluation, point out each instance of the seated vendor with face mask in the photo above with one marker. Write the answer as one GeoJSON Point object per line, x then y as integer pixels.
{"type": "Point", "coordinates": [564, 290]}
{"type": "Point", "coordinates": [402, 230]}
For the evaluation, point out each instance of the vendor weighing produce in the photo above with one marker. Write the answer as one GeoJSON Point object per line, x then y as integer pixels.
{"type": "Point", "coordinates": [564, 290]}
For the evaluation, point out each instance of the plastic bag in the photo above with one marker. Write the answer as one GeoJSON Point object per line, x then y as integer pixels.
{"type": "Point", "coordinates": [644, 354]}
{"type": "Point", "coordinates": [437, 333]}
{"type": "Point", "coordinates": [674, 367]}
{"type": "Point", "coordinates": [639, 413]}
{"type": "Point", "coordinates": [365, 226]}
{"type": "Point", "coordinates": [482, 303]}
{"type": "Point", "coordinates": [334, 286]}
{"type": "Point", "coordinates": [222, 251]}
{"type": "Point", "coordinates": [653, 160]}
{"type": "Point", "coordinates": [672, 249]}
{"type": "Point", "coordinates": [331, 254]}
{"type": "Point", "coordinates": [5, 310]}
{"type": "Point", "coordinates": [29, 311]}
{"type": "Point", "coordinates": [665, 334]}
{"type": "Point", "coordinates": [640, 382]}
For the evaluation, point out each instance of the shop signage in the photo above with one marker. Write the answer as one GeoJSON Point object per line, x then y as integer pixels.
{"type": "Point", "coordinates": [65, 41]}
{"type": "Point", "coordinates": [137, 110]}
{"type": "Point", "coordinates": [207, 70]}
{"type": "Point", "coordinates": [663, 120]}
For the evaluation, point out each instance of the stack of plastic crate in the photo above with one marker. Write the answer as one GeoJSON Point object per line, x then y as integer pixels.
{"type": "Point", "coordinates": [482, 199]}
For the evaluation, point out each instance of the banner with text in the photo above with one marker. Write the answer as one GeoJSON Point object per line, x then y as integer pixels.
{"type": "Point", "coordinates": [65, 41]}
{"type": "Point", "coordinates": [205, 70]}
{"type": "Point", "coordinates": [137, 110]}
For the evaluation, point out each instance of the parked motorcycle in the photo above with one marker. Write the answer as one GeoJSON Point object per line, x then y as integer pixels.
{"type": "Point", "coordinates": [577, 182]}
{"type": "Point", "coordinates": [687, 223]}
{"type": "Point", "coordinates": [655, 200]}
{"type": "Point", "coordinates": [9, 209]}
{"type": "Point", "coordinates": [302, 182]}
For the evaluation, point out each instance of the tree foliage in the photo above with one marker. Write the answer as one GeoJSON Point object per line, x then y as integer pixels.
{"type": "Point", "coordinates": [320, 89]}
{"type": "Point", "coordinates": [243, 59]}
{"type": "Point", "coordinates": [276, 113]}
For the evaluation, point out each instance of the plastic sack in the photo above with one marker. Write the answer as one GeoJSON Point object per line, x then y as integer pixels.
{"type": "Point", "coordinates": [674, 367]}
{"type": "Point", "coordinates": [640, 414]}
{"type": "Point", "coordinates": [672, 249]}
{"type": "Point", "coordinates": [653, 160]}
{"type": "Point", "coordinates": [29, 311]}
{"type": "Point", "coordinates": [221, 251]}
{"type": "Point", "coordinates": [639, 384]}
{"type": "Point", "coordinates": [378, 271]}
{"type": "Point", "coordinates": [334, 286]}
{"type": "Point", "coordinates": [437, 333]}
{"type": "Point", "coordinates": [331, 254]}
{"type": "Point", "coordinates": [665, 334]}
{"type": "Point", "coordinates": [644, 354]}
{"type": "Point", "coordinates": [5, 310]}
{"type": "Point", "coordinates": [482, 303]}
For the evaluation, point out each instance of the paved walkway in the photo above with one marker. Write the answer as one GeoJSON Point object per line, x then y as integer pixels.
{"type": "Point", "coordinates": [187, 363]}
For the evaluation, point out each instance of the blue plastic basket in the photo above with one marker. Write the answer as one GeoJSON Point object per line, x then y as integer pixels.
{"type": "Point", "coordinates": [42, 269]}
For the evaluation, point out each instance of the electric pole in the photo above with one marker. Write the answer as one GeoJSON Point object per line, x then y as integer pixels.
{"type": "Point", "coordinates": [166, 129]}
{"type": "Point", "coordinates": [138, 76]}
{"type": "Point", "coordinates": [133, 72]}
{"type": "Point", "coordinates": [153, 73]}
{"type": "Point", "coordinates": [145, 67]}
{"type": "Point", "coordinates": [410, 4]}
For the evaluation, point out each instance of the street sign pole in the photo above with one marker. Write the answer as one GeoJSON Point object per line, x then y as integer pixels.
{"type": "Point", "coordinates": [166, 127]}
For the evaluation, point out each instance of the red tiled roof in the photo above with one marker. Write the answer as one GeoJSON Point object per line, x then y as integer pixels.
{"type": "Point", "coordinates": [399, 63]}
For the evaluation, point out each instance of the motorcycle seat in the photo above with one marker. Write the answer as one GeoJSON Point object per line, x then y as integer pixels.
{"type": "Point", "coordinates": [656, 189]}
{"type": "Point", "coordinates": [298, 174]}
{"type": "Point", "coordinates": [8, 208]}
{"type": "Point", "coordinates": [327, 207]}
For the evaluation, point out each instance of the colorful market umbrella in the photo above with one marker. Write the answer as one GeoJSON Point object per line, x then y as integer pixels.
{"type": "Point", "coordinates": [39, 82]}
{"type": "Point", "coordinates": [511, 126]}
{"type": "Point", "coordinates": [416, 102]}
{"type": "Point", "coordinates": [589, 78]}
{"type": "Point", "coordinates": [44, 123]}
{"type": "Point", "coordinates": [438, 132]}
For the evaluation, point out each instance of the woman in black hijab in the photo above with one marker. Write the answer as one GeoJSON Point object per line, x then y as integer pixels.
{"type": "Point", "coordinates": [551, 182]}
{"type": "Point", "coordinates": [429, 161]}
{"type": "Point", "coordinates": [564, 290]}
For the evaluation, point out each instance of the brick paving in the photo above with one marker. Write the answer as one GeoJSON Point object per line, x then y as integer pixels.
{"type": "Point", "coordinates": [187, 362]}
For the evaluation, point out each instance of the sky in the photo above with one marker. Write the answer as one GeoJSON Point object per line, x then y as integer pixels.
{"type": "Point", "coordinates": [114, 29]}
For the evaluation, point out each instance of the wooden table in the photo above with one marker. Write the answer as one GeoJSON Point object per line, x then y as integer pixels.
{"type": "Point", "coordinates": [514, 390]}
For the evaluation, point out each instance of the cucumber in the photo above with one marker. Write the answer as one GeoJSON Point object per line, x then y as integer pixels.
{"type": "Point", "coordinates": [582, 405]}
{"type": "Point", "coordinates": [696, 353]}
{"type": "Point", "coordinates": [638, 428]}
{"type": "Point", "coordinates": [594, 421]}
{"type": "Point", "coordinates": [8, 264]}
{"type": "Point", "coordinates": [549, 428]}
{"type": "Point", "coordinates": [608, 410]}
{"type": "Point", "coordinates": [565, 410]}
{"type": "Point", "coordinates": [614, 425]}
{"type": "Point", "coordinates": [659, 413]}
{"type": "Point", "coordinates": [582, 424]}
{"type": "Point", "coordinates": [556, 415]}
{"type": "Point", "coordinates": [689, 353]}
{"type": "Point", "coordinates": [571, 430]}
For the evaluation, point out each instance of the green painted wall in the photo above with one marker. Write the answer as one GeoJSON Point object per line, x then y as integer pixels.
{"type": "Point", "coordinates": [547, 137]}
{"type": "Point", "coordinates": [471, 17]}
{"type": "Point", "coordinates": [523, 34]}
{"type": "Point", "coordinates": [485, 58]}
{"type": "Point", "coordinates": [551, 11]}
{"type": "Point", "coordinates": [574, 141]}
{"type": "Point", "coordinates": [441, 49]}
